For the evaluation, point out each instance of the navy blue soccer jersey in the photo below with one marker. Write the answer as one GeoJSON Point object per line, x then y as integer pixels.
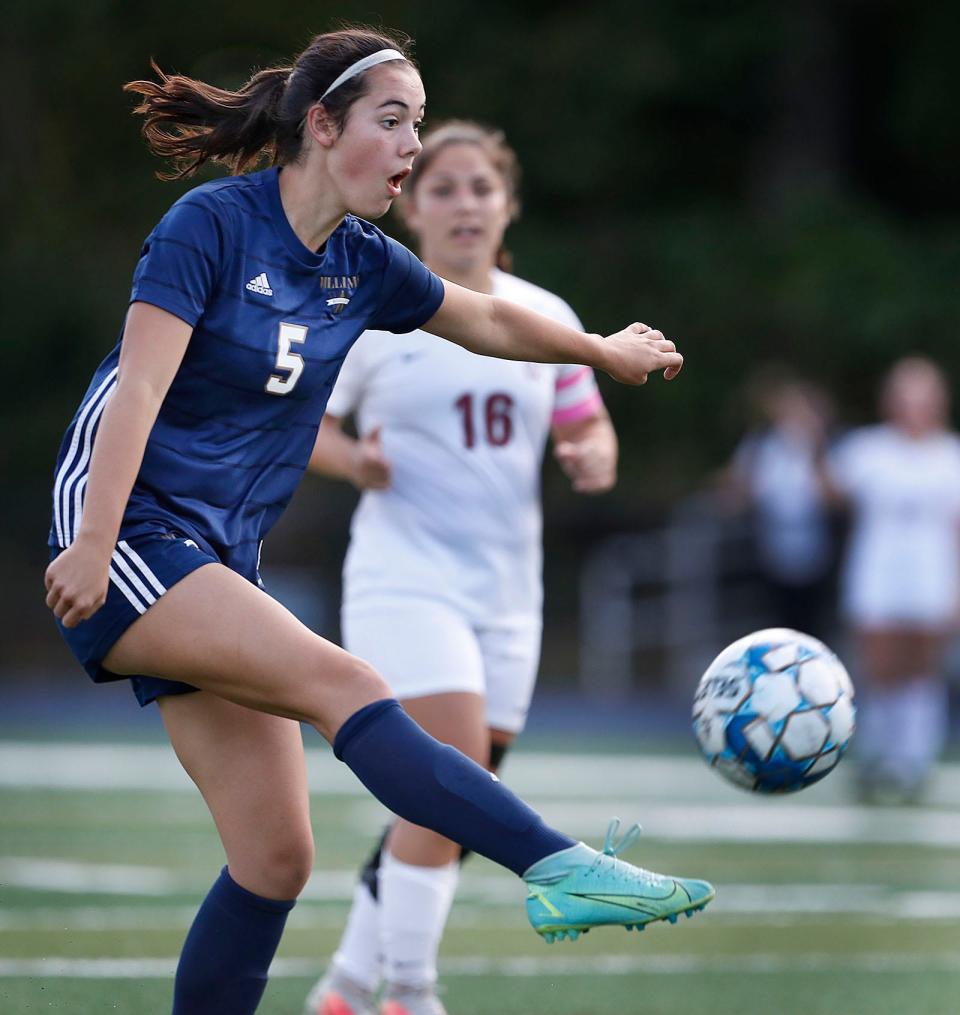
{"type": "Point", "coordinates": [272, 324]}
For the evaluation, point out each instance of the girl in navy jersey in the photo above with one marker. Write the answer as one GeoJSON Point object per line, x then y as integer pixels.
{"type": "Point", "coordinates": [442, 582]}
{"type": "Point", "coordinates": [189, 443]}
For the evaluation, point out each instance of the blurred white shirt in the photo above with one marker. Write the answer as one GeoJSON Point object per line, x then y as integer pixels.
{"type": "Point", "coordinates": [903, 560]}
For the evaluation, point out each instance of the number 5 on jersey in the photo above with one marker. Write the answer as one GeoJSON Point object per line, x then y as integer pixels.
{"type": "Point", "coordinates": [292, 362]}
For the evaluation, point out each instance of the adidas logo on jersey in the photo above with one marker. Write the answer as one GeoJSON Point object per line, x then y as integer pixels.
{"type": "Point", "coordinates": [260, 285]}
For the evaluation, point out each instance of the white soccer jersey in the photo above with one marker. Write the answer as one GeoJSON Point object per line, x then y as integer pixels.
{"type": "Point", "coordinates": [465, 435]}
{"type": "Point", "coordinates": [903, 562]}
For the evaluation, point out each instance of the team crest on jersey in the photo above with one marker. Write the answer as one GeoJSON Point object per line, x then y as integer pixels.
{"type": "Point", "coordinates": [340, 290]}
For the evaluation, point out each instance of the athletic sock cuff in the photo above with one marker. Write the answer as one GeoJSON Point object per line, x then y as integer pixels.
{"type": "Point", "coordinates": [359, 721]}
{"type": "Point", "coordinates": [234, 893]}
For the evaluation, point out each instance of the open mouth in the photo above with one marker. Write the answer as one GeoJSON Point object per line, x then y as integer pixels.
{"type": "Point", "coordinates": [465, 232]}
{"type": "Point", "coordinates": [394, 182]}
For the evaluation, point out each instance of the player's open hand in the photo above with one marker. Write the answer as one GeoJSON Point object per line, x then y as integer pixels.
{"type": "Point", "coordinates": [77, 583]}
{"type": "Point", "coordinates": [589, 463]}
{"type": "Point", "coordinates": [371, 467]}
{"type": "Point", "coordinates": [637, 351]}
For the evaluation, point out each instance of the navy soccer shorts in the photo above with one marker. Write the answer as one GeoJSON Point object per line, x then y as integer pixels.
{"type": "Point", "coordinates": [143, 567]}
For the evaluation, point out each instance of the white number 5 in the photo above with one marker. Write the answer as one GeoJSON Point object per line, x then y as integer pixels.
{"type": "Point", "coordinates": [287, 360]}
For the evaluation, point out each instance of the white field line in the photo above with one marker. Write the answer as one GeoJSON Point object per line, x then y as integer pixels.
{"type": "Point", "coordinates": [777, 822]}
{"type": "Point", "coordinates": [709, 823]}
{"type": "Point", "coordinates": [81, 878]}
{"type": "Point", "coordinates": [542, 775]}
{"type": "Point", "coordinates": [475, 965]}
{"type": "Point", "coordinates": [463, 917]}
{"type": "Point", "coordinates": [480, 898]}
{"type": "Point", "coordinates": [678, 799]}
{"type": "Point", "coordinates": [734, 821]}
{"type": "Point", "coordinates": [98, 918]}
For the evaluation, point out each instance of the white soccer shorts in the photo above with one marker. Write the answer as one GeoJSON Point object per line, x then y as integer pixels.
{"type": "Point", "coordinates": [423, 646]}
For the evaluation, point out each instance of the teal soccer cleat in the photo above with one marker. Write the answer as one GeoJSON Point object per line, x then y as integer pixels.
{"type": "Point", "coordinates": [578, 888]}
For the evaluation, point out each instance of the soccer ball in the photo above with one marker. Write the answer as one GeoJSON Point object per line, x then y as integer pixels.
{"type": "Point", "coordinates": [774, 711]}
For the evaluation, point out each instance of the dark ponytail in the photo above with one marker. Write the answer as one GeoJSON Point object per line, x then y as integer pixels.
{"type": "Point", "coordinates": [190, 122]}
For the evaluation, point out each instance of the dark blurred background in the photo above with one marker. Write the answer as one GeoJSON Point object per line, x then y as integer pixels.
{"type": "Point", "coordinates": [764, 181]}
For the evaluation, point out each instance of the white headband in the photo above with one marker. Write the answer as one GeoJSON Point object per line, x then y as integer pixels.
{"type": "Point", "coordinates": [365, 63]}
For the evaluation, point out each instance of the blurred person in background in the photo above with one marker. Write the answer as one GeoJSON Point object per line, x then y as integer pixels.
{"type": "Point", "coordinates": [442, 580]}
{"type": "Point", "coordinates": [775, 477]}
{"type": "Point", "coordinates": [901, 576]}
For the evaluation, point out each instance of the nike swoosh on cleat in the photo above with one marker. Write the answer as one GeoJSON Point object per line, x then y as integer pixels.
{"type": "Point", "coordinates": [648, 905]}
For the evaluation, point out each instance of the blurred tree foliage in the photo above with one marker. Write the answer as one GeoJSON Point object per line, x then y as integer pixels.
{"type": "Point", "coordinates": [761, 180]}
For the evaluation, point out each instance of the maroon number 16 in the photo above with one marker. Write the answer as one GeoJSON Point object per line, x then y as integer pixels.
{"type": "Point", "coordinates": [497, 419]}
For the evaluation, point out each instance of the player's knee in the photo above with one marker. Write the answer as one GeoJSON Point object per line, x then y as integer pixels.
{"type": "Point", "coordinates": [358, 685]}
{"type": "Point", "coordinates": [366, 681]}
{"type": "Point", "coordinates": [287, 864]}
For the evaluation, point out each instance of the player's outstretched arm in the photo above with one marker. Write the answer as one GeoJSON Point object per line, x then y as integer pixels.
{"type": "Point", "coordinates": [359, 461]}
{"type": "Point", "coordinates": [495, 327]}
{"type": "Point", "coordinates": [154, 342]}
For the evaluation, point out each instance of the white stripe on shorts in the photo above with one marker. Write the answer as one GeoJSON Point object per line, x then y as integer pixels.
{"type": "Point", "coordinates": [137, 574]}
{"type": "Point", "coordinates": [139, 562]}
{"type": "Point", "coordinates": [145, 594]}
{"type": "Point", "coordinates": [127, 591]}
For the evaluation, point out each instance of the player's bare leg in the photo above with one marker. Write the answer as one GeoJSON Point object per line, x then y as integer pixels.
{"type": "Point", "coordinates": [258, 668]}
{"type": "Point", "coordinates": [249, 768]}
{"type": "Point", "coordinates": [217, 631]}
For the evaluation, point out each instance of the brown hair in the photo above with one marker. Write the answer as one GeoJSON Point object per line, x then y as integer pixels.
{"type": "Point", "coordinates": [191, 122]}
{"type": "Point", "coordinates": [492, 143]}
{"type": "Point", "coordinates": [910, 367]}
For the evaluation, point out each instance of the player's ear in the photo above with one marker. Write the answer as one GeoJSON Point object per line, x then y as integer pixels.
{"type": "Point", "coordinates": [320, 126]}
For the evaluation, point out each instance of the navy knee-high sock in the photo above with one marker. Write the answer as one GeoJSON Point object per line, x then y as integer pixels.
{"type": "Point", "coordinates": [434, 785]}
{"type": "Point", "coordinates": [225, 958]}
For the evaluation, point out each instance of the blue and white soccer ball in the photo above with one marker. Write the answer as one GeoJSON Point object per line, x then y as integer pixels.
{"type": "Point", "coordinates": [774, 711]}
